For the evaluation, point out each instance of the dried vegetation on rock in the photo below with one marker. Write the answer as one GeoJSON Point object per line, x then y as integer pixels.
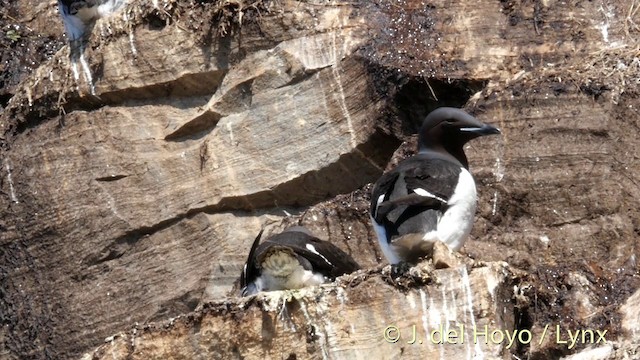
{"type": "Point", "coordinates": [132, 186]}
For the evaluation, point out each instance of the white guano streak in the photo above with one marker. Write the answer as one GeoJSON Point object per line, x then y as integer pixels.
{"type": "Point", "coordinates": [342, 99]}
{"type": "Point", "coordinates": [12, 191]}
{"type": "Point", "coordinates": [466, 286]}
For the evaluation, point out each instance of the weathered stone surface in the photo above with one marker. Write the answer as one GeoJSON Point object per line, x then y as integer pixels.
{"type": "Point", "coordinates": [612, 351]}
{"type": "Point", "coordinates": [630, 311]}
{"type": "Point", "coordinates": [132, 186]}
{"type": "Point", "coordinates": [445, 315]}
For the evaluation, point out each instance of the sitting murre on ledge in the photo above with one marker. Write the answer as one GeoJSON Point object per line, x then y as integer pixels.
{"type": "Point", "coordinates": [430, 196]}
{"type": "Point", "coordinates": [291, 260]}
{"type": "Point", "coordinates": [77, 15]}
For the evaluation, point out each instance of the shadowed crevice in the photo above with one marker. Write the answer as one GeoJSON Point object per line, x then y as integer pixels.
{"type": "Point", "coordinates": [418, 97]}
{"type": "Point", "coordinates": [196, 128]}
{"type": "Point", "coordinates": [48, 107]}
{"type": "Point", "coordinates": [111, 178]}
{"type": "Point", "coordinates": [350, 172]}
{"type": "Point", "coordinates": [302, 76]}
{"type": "Point", "coordinates": [412, 97]}
{"type": "Point", "coordinates": [239, 95]}
{"type": "Point", "coordinates": [122, 244]}
{"type": "Point", "coordinates": [4, 99]}
{"type": "Point", "coordinates": [187, 85]}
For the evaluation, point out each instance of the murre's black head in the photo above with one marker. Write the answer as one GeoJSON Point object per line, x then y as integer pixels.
{"type": "Point", "coordinates": [446, 130]}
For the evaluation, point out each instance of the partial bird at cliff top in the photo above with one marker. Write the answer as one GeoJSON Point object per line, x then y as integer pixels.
{"type": "Point", "coordinates": [291, 260]}
{"type": "Point", "coordinates": [430, 196]}
{"type": "Point", "coordinates": [78, 15]}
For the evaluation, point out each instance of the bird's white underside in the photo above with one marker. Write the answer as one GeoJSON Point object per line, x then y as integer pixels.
{"type": "Point", "coordinates": [75, 25]}
{"type": "Point", "coordinates": [453, 226]}
{"type": "Point", "coordinates": [282, 271]}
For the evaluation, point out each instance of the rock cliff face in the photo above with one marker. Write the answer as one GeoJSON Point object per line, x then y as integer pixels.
{"type": "Point", "coordinates": [134, 178]}
{"type": "Point", "coordinates": [438, 317]}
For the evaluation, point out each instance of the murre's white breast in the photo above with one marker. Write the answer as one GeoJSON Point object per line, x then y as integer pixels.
{"type": "Point", "coordinates": [281, 270]}
{"type": "Point", "coordinates": [456, 223]}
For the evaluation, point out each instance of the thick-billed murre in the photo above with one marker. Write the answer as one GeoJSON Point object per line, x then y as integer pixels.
{"type": "Point", "coordinates": [291, 260]}
{"type": "Point", "coordinates": [430, 196]}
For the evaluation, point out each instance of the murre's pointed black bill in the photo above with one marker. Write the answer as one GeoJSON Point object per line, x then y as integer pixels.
{"type": "Point", "coordinates": [486, 129]}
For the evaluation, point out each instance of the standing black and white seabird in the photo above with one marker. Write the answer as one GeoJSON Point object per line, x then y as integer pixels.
{"type": "Point", "coordinates": [77, 15]}
{"type": "Point", "coordinates": [291, 260]}
{"type": "Point", "coordinates": [430, 196]}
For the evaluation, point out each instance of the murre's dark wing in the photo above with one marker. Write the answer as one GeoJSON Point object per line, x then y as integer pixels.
{"type": "Point", "coordinates": [314, 254]}
{"type": "Point", "coordinates": [419, 181]}
{"type": "Point", "coordinates": [431, 178]}
{"type": "Point", "coordinates": [250, 270]}
{"type": "Point", "coordinates": [406, 193]}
